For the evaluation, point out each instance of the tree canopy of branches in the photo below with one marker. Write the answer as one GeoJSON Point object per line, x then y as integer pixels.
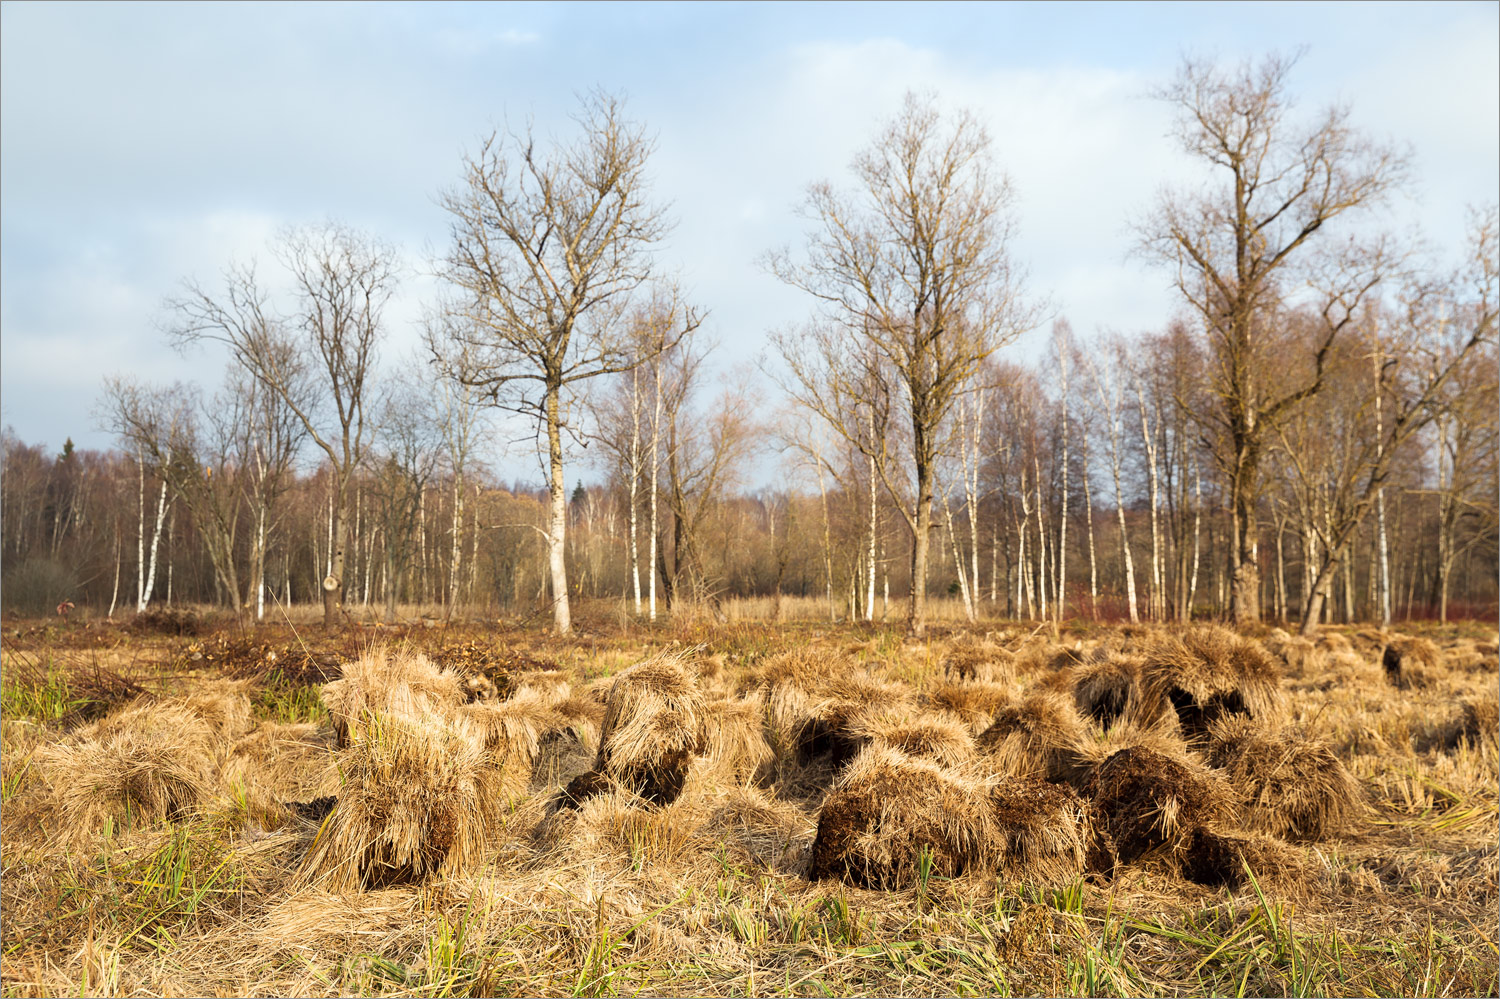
{"type": "Point", "coordinates": [1239, 247]}
{"type": "Point", "coordinates": [318, 357]}
{"type": "Point", "coordinates": [915, 287]}
{"type": "Point", "coordinates": [549, 248]}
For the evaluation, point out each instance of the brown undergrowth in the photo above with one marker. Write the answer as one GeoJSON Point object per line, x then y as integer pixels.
{"type": "Point", "coordinates": [752, 810]}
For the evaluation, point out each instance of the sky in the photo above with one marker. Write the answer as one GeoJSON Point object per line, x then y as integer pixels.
{"type": "Point", "coordinates": [142, 144]}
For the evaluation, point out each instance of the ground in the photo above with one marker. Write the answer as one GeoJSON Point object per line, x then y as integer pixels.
{"type": "Point", "coordinates": [205, 887]}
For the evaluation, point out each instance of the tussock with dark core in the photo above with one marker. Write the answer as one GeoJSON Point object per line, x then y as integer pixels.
{"type": "Point", "coordinates": [886, 809]}
{"type": "Point", "coordinates": [1034, 737]}
{"type": "Point", "coordinates": [1150, 802]}
{"type": "Point", "coordinates": [1207, 673]}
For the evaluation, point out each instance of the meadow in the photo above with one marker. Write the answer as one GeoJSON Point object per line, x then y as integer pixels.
{"type": "Point", "coordinates": [746, 807]}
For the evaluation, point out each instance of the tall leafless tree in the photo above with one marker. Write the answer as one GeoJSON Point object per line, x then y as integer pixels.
{"type": "Point", "coordinates": [549, 248]}
{"type": "Point", "coordinates": [318, 357]}
{"type": "Point", "coordinates": [1239, 246]}
{"type": "Point", "coordinates": [914, 268]}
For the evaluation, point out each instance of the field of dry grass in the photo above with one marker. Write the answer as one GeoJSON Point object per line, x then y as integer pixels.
{"type": "Point", "coordinates": [747, 809]}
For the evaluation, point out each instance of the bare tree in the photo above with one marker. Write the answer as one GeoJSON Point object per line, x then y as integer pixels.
{"type": "Point", "coordinates": [915, 269]}
{"type": "Point", "coordinates": [318, 359]}
{"type": "Point", "coordinates": [1240, 246]}
{"type": "Point", "coordinates": [548, 250]}
{"type": "Point", "coordinates": [1439, 327]}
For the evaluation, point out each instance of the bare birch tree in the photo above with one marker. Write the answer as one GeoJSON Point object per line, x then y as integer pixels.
{"type": "Point", "coordinates": [915, 268]}
{"type": "Point", "coordinates": [1238, 246]}
{"type": "Point", "coordinates": [549, 247]}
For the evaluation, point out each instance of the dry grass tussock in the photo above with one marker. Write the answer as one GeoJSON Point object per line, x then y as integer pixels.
{"type": "Point", "coordinates": [419, 794]}
{"type": "Point", "coordinates": [887, 810]}
{"type": "Point", "coordinates": [848, 818]}
{"type": "Point", "coordinates": [1209, 672]}
{"type": "Point", "coordinates": [654, 726]}
{"type": "Point", "coordinates": [1288, 786]}
{"type": "Point", "coordinates": [1034, 736]}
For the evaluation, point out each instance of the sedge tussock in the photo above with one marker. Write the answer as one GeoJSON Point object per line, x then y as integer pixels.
{"type": "Point", "coordinates": [808, 715]}
{"type": "Point", "coordinates": [972, 704]}
{"type": "Point", "coordinates": [1300, 657]}
{"type": "Point", "coordinates": [126, 778]}
{"type": "Point", "coordinates": [290, 761]}
{"type": "Point", "coordinates": [1108, 689]}
{"type": "Point", "coordinates": [735, 740]}
{"type": "Point", "coordinates": [1477, 723]}
{"type": "Point", "coordinates": [1288, 786]}
{"type": "Point", "coordinates": [419, 795]}
{"type": "Point", "coordinates": [1208, 672]}
{"type": "Point", "coordinates": [1407, 661]}
{"type": "Point", "coordinates": [1161, 737]}
{"type": "Point", "coordinates": [1150, 802]}
{"type": "Point", "coordinates": [653, 728]}
{"type": "Point", "coordinates": [1218, 859]}
{"type": "Point", "coordinates": [385, 681]}
{"type": "Point", "coordinates": [887, 810]}
{"type": "Point", "coordinates": [512, 728]}
{"type": "Point", "coordinates": [1034, 736]}
{"type": "Point", "coordinates": [943, 741]}
{"type": "Point", "coordinates": [979, 661]}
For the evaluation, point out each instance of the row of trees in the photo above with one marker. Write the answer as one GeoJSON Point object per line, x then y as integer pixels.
{"type": "Point", "coordinates": [1324, 394]}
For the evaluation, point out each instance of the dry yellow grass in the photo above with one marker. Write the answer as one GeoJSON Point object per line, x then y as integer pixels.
{"type": "Point", "coordinates": [419, 864]}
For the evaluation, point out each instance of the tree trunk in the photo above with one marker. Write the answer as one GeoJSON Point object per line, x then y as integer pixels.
{"type": "Point", "coordinates": [1244, 585]}
{"type": "Point", "coordinates": [874, 525]}
{"type": "Point", "coordinates": [921, 536]}
{"type": "Point", "coordinates": [557, 530]}
{"type": "Point", "coordinates": [161, 513]}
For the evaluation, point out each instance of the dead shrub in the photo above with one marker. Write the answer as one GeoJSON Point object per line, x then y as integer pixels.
{"type": "Point", "coordinates": [1152, 803]}
{"type": "Point", "coordinates": [1207, 673]}
{"type": "Point", "coordinates": [1035, 736]}
{"type": "Point", "coordinates": [1290, 787]}
{"type": "Point", "coordinates": [166, 621]}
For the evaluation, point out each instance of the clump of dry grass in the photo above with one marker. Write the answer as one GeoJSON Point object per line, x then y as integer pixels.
{"type": "Point", "coordinates": [943, 741]}
{"type": "Point", "coordinates": [972, 704]}
{"type": "Point", "coordinates": [1108, 688]}
{"type": "Point", "coordinates": [653, 726]}
{"type": "Point", "coordinates": [979, 661]}
{"type": "Point", "coordinates": [1219, 859]}
{"type": "Point", "coordinates": [513, 727]}
{"type": "Point", "coordinates": [1300, 657]}
{"type": "Point", "coordinates": [1407, 660]}
{"type": "Point", "coordinates": [1160, 737]}
{"type": "Point", "coordinates": [887, 810]}
{"type": "Point", "coordinates": [1477, 723]}
{"type": "Point", "coordinates": [734, 737]}
{"type": "Point", "coordinates": [1152, 803]}
{"type": "Point", "coordinates": [126, 777]}
{"type": "Point", "coordinates": [1034, 736]}
{"type": "Point", "coordinates": [289, 761]}
{"type": "Point", "coordinates": [419, 795]}
{"type": "Point", "coordinates": [1207, 673]}
{"type": "Point", "coordinates": [808, 715]}
{"type": "Point", "coordinates": [383, 682]}
{"type": "Point", "coordinates": [1288, 786]}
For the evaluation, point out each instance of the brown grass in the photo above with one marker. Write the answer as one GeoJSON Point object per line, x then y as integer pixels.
{"type": "Point", "coordinates": [419, 794]}
{"type": "Point", "coordinates": [1151, 803]}
{"type": "Point", "coordinates": [1034, 736]}
{"type": "Point", "coordinates": [1288, 786]}
{"type": "Point", "coordinates": [1209, 672]}
{"type": "Point", "coordinates": [1408, 660]}
{"type": "Point", "coordinates": [886, 809]}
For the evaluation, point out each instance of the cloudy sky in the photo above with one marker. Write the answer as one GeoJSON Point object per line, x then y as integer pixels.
{"type": "Point", "coordinates": [144, 144]}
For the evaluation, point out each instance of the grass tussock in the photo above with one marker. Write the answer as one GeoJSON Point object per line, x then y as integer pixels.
{"type": "Point", "coordinates": [1207, 673]}
{"type": "Point", "coordinates": [226, 851]}
{"type": "Point", "coordinates": [653, 728]}
{"type": "Point", "coordinates": [1034, 736]}
{"type": "Point", "coordinates": [890, 820]}
{"type": "Point", "coordinates": [1288, 786]}
{"type": "Point", "coordinates": [418, 795]}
